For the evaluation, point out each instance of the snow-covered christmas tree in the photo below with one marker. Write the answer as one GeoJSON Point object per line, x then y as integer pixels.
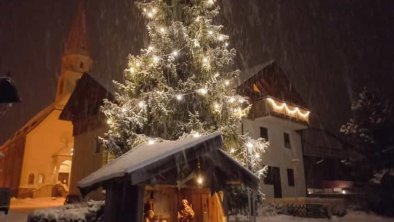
{"type": "Point", "coordinates": [182, 84]}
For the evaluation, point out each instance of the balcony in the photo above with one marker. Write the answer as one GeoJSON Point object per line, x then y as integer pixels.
{"type": "Point", "coordinates": [273, 109]}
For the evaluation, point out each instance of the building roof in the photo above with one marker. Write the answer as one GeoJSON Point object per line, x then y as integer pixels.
{"type": "Point", "coordinates": [268, 80]}
{"type": "Point", "coordinates": [30, 125]}
{"type": "Point", "coordinates": [86, 99]}
{"type": "Point", "coordinates": [143, 162]}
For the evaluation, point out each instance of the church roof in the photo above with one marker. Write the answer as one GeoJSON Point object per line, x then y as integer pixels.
{"type": "Point", "coordinates": [77, 42]}
{"type": "Point", "coordinates": [30, 125]}
{"type": "Point", "coordinates": [268, 80]}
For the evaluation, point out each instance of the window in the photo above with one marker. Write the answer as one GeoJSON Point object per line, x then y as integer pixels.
{"type": "Point", "coordinates": [269, 178]}
{"type": "Point", "coordinates": [290, 177]}
{"type": "Point", "coordinates": [40, 179]}
{"type": "Point", "coordinates": [286, 139]}
{"type": "Point", "coordinates": [30, 179]}
{"type": "Point", "coordinates": [264, 133]}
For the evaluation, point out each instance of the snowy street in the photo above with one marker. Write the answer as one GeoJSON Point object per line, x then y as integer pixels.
{"type": "Point", "coordinates": [20, 208]}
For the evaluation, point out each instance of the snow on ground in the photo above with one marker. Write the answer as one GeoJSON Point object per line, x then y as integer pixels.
{"type": "Point", "coordinates": [20, 208]}
{"type": "Point", "coordinates": [351, 216]}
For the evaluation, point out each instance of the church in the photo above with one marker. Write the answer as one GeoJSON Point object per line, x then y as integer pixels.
{"type": "Point", "coordinates": [38, 157]}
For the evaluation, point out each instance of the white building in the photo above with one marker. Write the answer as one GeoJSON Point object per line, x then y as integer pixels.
{"type": "Point", "coordinates": [277, 115]}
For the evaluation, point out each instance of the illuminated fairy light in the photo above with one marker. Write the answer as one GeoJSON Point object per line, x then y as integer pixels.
{"type": "Point", "coordinates": [226, 44]}
{"type": "Point", "coordinates": [249, 145]}
{"type": "Point", "coordinates": [110, 122]}
{"type": "Point", "coordinates": [286, 109]}
{"type": "Point", "coordinates": [257, 155]}
{"type": "Point", "coordinates": [141, 104]}
{"type": "Point", "coordinates": [220, 37]}
{"type": "Point", "coordinates": [198, 19]}
{"type": "Point", "coordinates": [216, 75]}
{"type": "Point", "coordinates": [179, 97]}
{"type": "Point", "coordinates": [162, 30]}
{"type": "Point", "coordinates": [232, 150]}
{"type": "Point", "coordinates": [151, 48]}
{"type": "Point", "coordinates": [202, 91]}
{"type": "Point", "coordinates": [138, 64]}
{"type": "Point", "coordinates": [231, 100]}
{"type": "Point", "coordinates": [210, 32]}
{"type": "Point", "coordinates": [175, 53]}
{"type": "Point", "coordinates": [124, 109]}
{"type": "Point", "coordinates": [227, 82]}
{"type": "Point", "coordinates": [150, 14]}
{"type": "Point", "coordinates": [154, 10]}
{"type": "Point", "coordinates": [205, 60]}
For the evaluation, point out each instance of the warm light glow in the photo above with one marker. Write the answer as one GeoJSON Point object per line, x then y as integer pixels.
{"type": "Point", "coordinates": [141, 104]}
{"type": "Point", "coordinates": [109, 121]}
{"type": "Point", "coordinates": [231, 100]}
{"type": "Point", "coordinates": [202, 91]}
{"type": "Point", "coordinates": [200, 180]}
{"type": "Point", "coordinates": [151, 142]}
{"type": "Point", "coordinates": [205, 60]}
{"type": "Point", "coordinates": [249, 145]}
{"type": "Point", "coordinates": [343, 191]}
{"type": "Point", "coordinates": [175, 53]}
{"type": "Point", "coordinates": [226, 44]}
{"type": "Point", "coordinates": [282, 107]}
{"type": "Point", "coordinates": [221, 38]}
{"type": "Point", "coordinates": [179, 97]}
{"type": "Point", "coordinates": [162, 30]}
{"type": "Point", "coordinates": [151, 48]}
{"type": "Point", "coordinates": [210, 32]}
{"type": "Point", "coordinates": [124, 109]}
{"type": "Point", "coordinates": [232, 150]}
{"type": "Point", "coordinates": [196, 134]}
{"type": "Point", "coordinates": [227, 82]}
{"type": "Point", "coordinates": [257, 155]}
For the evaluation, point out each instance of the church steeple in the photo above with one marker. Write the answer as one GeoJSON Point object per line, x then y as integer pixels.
{"type": "Point", "coordinates": [76, 57]}
{"type": "Point", "coordinates": [77, 42]}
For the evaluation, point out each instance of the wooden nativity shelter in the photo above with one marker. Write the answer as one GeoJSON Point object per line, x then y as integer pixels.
{"type": "Point", "coordinates": [159, 176]}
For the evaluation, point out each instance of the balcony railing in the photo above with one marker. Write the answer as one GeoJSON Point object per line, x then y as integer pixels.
{"type": "Point", "coordinates": [269, 106]}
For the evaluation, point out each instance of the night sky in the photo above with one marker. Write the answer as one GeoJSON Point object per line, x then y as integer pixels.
{"type": "Point", "coordinates": [329, 49]}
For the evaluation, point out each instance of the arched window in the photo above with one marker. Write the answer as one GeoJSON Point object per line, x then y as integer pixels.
{"type": "Point", "coordinates": [40, 178]}
{"type": "Point", "coordinates": [30, 179]}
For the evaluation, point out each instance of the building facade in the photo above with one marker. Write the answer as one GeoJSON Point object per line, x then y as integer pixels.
{"type": "Point", "coordinates": [38, 157]}
{"type": "Point", "coordinates": [278, 114]}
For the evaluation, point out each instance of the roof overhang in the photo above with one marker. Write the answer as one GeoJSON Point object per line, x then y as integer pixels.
{"type": "Point", "coordinates": [145, 162]}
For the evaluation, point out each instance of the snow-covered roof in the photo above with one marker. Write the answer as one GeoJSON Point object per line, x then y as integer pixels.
{"type": "Point", "coordinates": [147, 155]}
{"type": "Point", "coordinates": [142, 156]}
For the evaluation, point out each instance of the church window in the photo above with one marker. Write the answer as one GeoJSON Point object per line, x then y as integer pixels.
{"type": "Point", "coordinates": [40, 179]}
{"type": "Point", "coordinates": [30, 179]}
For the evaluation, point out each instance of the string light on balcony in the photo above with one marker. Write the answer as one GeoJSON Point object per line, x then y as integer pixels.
{"type": "Point", "coordinates": [282, 107]}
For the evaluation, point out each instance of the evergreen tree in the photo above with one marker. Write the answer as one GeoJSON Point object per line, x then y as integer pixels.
{"type": "Point", "coordinates": [182, 84]}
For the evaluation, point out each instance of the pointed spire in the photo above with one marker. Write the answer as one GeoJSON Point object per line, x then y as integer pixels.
{"type": "Point", "coordinates": [77, 42]}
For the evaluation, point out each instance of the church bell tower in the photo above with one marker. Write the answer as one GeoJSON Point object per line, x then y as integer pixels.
{"type": "Point", "coordinates": [76, 59]}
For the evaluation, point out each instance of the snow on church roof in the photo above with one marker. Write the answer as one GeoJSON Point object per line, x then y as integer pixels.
{"type": "Point", "coordinates": [142, 156]}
